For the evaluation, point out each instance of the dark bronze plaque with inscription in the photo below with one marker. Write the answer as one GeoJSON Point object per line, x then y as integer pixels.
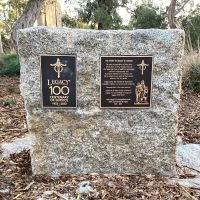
{"type": "Point", "coordinates": [126, 81]}
{"type": "Point", "coordinates": [58, 81]}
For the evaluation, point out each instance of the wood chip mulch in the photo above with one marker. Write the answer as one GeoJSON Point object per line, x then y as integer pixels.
{"type": "Point", "coordinates": [17, 178]}
{"type": "Point", "coordinates": [12, 113]}
{"type": "Point", "coordinates": [189, 117]}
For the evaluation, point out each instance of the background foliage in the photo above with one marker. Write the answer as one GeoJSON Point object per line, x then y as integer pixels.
{"type": "Point", "coordinates": [147, 16]}
{"type": "Point", "coordinates": [191, 25]}
{"type": "Point", "coordinates": [9, 64]}
{"type": "Point", "coordinates": [10, 11]}
{"type": "Point", "coordinates": [101, 14]}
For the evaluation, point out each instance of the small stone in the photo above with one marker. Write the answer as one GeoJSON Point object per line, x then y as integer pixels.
{"type": "Point", "coordinates": [17, 145]}
{"type": "Point", "coordinates": [190, 182]}
{"type": "Point", "coordinates": [40, 198]}
{"type": "Point", "coordinates": [5, 191]}
{"type": "Point", "coordinates": [84, 187]}
{"type": "Point", "coordinates": [48, 193]}
{"type": "Point", "coordinates": [188, 156]}
{"type": "Point", "coordinates": [111, 184]}
{"type": "Point", "coordinates": [68, 196]}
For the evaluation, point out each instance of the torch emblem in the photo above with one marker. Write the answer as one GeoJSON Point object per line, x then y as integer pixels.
{"type": "Point", "coordinates": [58, 67]}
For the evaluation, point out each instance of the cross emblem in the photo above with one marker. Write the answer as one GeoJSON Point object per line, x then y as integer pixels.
{"type": "Point", "coordinates": [142, 66]}
{"type": "Point", "coordinates": [58, 67]}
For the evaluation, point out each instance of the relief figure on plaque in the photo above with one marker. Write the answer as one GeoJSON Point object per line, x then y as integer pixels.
{"type": "Point", "coordinates": [141, 92]}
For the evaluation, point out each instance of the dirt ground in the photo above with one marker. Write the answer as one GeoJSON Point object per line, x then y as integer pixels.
{"type": "Point", "coordinates": [17, 182]}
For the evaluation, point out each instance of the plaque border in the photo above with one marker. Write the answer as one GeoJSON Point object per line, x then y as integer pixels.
{"type": "Point", "coordinates": [41, 94]}
{"type": "Point", "coordinates": [151, 80]}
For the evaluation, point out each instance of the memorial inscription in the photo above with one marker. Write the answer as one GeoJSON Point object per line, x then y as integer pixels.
{"type": "Point", "coordinates": [126, 81]}
{"type": "Point", "coordinates": [58, 80]}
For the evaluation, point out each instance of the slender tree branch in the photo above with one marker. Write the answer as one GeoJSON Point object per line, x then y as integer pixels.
{"type": "Point", "coordinates": [27, 19]}
{"type": "Point", "coordinates": [181, 8]}
{"type": "Point", "coordinates": [171, 14]}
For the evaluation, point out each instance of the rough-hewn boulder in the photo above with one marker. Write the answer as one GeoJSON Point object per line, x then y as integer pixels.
{"type": "Point", "coordinates": [90, 139]}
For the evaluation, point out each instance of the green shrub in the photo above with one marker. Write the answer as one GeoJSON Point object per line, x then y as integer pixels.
{"type": "Point", "coordinates": [8, 102]}
{"type": "Point", "coordinates": [147, 16]}
{"type": "Point", "coordinates": [195, 78]}
{"type": "Point", "coordinates": [191, 71]}
{"type": "Point", "coordinates": [9, 64]}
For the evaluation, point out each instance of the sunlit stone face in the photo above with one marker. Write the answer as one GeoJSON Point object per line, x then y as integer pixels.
{"type": "Point", "coordinates": [89, 138]}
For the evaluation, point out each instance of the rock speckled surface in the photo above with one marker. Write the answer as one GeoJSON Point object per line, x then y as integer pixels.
{"type": "Point", "coordinates": [188, 155]}
{"type": "Point", "coordinates": [90, 139]}
{"type": "Point", "coordinates": [17, 146]}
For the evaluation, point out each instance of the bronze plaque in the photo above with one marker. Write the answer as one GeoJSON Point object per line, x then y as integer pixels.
{"type": "Point", "coordinates": [58, 81]}
{"type": "Point", "coordinates": [126, 81]}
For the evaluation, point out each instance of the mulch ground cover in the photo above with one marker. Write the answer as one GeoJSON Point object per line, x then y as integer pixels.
{"type": "Point", "coordinates": [12, 113]}
{"type": "Point", "coordinates": [17, 178]}
{"type": "Point", "coordinates": [17, 181]}
{"type": "Point", "coordinates": [189, 117]}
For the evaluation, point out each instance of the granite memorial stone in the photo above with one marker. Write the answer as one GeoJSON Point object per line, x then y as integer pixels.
{"type": "Point", "coordinates": [127, 87]}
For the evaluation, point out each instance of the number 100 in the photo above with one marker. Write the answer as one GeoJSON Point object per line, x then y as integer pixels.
{"type": "Point", "coordinates": [57, 90]}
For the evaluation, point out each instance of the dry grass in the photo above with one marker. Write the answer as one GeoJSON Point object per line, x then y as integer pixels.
{"type": "Point", "coordinates": [191, 67]}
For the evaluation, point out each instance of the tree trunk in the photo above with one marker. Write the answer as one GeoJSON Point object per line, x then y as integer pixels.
{"type": "Point", "coordinates": [50, 15]}
{"type": "Point", "coordinates": [100, 26]}
{"type": "Point", "coordinates": [27, 19]}
{"type": "Point", "coordinates": [1, 45]}
{"type": "Point", "coordinates": [171, 12]}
